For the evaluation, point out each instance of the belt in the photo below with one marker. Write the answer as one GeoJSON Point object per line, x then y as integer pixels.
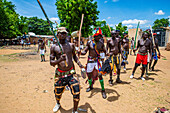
{"type": "Point", "coordinates": [63, 73]}
{"type": "Point", "coordinates": [142, 53]}
{"type": "Point", "coordinates": [65, 76]}
{"type": "Point", "coordinates": [92, 61]}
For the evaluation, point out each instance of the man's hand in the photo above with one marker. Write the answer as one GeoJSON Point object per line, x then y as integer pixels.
{"type": "Point", "coordinates": [135, 49]}
{"type": "Point", "coordinates": [45, 50]}
{"type": "Point", "coordinates": [63, 57]}
{"type": "Point", "coordinates": [107, 54]}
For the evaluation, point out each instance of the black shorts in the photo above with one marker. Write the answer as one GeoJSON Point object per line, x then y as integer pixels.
{"type": "Point", "coordinates": [60, 84]}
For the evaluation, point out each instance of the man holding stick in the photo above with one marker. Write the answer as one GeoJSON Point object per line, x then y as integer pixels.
{"type": "Point", "coordinates": [154, 53]}
{"type": "Point", "coordinates": [125, 52]}
{"type": "Point", "coordinates": [95, 46]}
{"type": "Point", "coordinates": [115, 48]}
{"type": "Point", "coordinates": [64, 74]}
{"type": "Point", "coordinates": [144, 46]}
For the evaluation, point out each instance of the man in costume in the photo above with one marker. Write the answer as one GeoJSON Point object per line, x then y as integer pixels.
{"type": "Point", "coordinates": [144, 47]}
{"type": "Point", "coordinates": [42, 48]}
{"type": "Point", "coordinates": [125, 52]}
{"type": "Point", "coordinates": [114, 47]}
{"type": "Point", "coordinates": [94, 46]}
{"type": "Point", "coordinates": [154, 53]}
{"type": "Point", "coordinates": [132, 46]}
{"type": "Point", "coordinates": [64, 73]}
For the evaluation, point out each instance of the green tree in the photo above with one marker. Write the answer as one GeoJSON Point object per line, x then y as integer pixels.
{"type": "Point", "coordinates": [8, 20]}
{"type": "Point", "coordinates": [70, 11]}
{"type": "Point", "coordinates": [160, 23]}
{"type": "Point", "coordinates": [121, 28]}
{"type": "Point", "coordinates": [23, 24]}
{"type": "Point", "coordinates": [38, 26]}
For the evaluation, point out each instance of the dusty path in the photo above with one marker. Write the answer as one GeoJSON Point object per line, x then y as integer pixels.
{"type": "Point", "coordinates": [23, 81]}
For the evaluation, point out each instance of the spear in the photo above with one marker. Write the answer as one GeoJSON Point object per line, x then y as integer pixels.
{"type": "Point", "coordinates": [51, 29]}
{"type": "Point", "coordinates": [136, 35]}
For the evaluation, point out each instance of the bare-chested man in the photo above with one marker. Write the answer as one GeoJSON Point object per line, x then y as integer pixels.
{"type": "Point", "coordinates": [42, 47]}
{"type": "Point", "coordinates": [132, 46]}
{"type": "Point", "coordinates": [94, 46]}
{"type": "Point", "coordinates": [115, 48]}
{"type": "Point", "coordinates": [125, 51]}
{"type": "Point", "coordinates": [154, 53]}
{"type": "Point", "coordinates": [143, 46]}
{"type": "Point", "coordinates": [64, 74]}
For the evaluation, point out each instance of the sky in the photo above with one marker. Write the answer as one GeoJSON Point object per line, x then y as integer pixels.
{"type": "Point", "coordinates": [129, 12]}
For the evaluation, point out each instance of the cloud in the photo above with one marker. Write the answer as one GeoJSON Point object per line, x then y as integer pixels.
{"type": "Point", "coordinates": [111, 25]}
{"type": "Point", "coordinates": [108, 17]}
{"type": "Point", "coordinates": [129, 26]}
{"type": "Point", "coordinates": [160, 12]}
{"type": "Point", "coordinates": [135, 21]}
{"type": "Point", "coordinates": [105, 1]}
{"type": "Point", "coordinates": [103, 20]}
{"type": "Point", "coordinates": [169, 17]}
{"type": "Point", "coordinates": [115, 0]}
{"type": "Point", "coordinates": [54, 19]}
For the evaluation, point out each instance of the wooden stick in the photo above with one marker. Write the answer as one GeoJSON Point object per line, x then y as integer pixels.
{"type": "Point", "coordinates": [152, 36]}
{"type": "Point", "coordinates": [109, 27]}
{"type": "Point", "coordinates": [80, 29]}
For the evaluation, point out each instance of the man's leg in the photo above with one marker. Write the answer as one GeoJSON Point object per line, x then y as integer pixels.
{"type": "Point", "coordinates": [143, 71]}
{"type": "Point", "coordinates": [90, 82]}
{"type": "Point", "coordinates": [44, 58]}
{"type": "Point", "coordinates": [150, 63]}
{"type": "Point", "coordinates": [75, 90]}
{"type": "Point", "coordinates": [41, 57]}
{"type": "Point", "coordinates": [155, 62]}
{"type": "Point", "coordinates": [102, 86]}
{"type": "Point", "coordinates": [134, 69]}
{"type": "Point", "coordinates": [111, 80]}
{"type": "Point", "coordinates": [59, 89]}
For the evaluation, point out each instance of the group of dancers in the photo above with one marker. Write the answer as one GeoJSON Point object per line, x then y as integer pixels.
{"type": "Point", "coordinates": [116, 52]}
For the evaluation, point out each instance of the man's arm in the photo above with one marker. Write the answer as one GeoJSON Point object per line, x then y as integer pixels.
{"type": "Point", "coordinates": [138, 44]}
{"type": "Point", "coordinates": [105, 50]}
{"type": "Point", "coordinates": [76, 58]}
{"type": "Point", "coordinates": [86, 49]}
{"type": "Point", "coordinates": [156, 44]}
{"type": "Point", "coordinates": [54, 62]}
{"type": "Point", "coordinates": [38, 48]}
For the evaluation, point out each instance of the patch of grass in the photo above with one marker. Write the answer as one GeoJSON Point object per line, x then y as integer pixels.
{"type": "Point", "coordinates": [5, 58]}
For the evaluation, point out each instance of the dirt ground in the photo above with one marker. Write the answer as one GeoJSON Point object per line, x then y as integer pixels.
{"type": "Point", "coordinates": [26, 86]}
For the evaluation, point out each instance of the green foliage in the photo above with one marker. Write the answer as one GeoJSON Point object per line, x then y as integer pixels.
{"type": "Point", "coordinates": [9, 20]}
{"type": "Point", "coordinates": [121, 28]}
{"type": "Point", "coordinates": [104, 27]}
{"type": "Point", "coordinates": [160, 23]}
{"type": "Point", "coordinates": [23, 25]}
{"type": "Point", "coordinates": [38, 26]}
{"type": "Point", "coordinates": [70, 12]}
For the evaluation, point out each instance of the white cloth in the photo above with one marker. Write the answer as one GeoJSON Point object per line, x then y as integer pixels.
{"type": "Point", "coordinates": [42, 51]}
{"type": "Point", "coordinates": [81, 46]}
{"type": "Point", "coordinates": [77, 48]}
{"type": "Point", "coordinates": [91, 66]}
{"type": "Point", "coordinates": [102, 55]}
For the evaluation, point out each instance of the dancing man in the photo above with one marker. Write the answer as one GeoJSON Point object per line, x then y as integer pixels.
{"type": "Point", "coordinates": [95, 46]}
{"type": "Point", "coordinates": [144, 45]}
{"type": "Point", "coordinates": [64, 73]}
{"type": "Point", "coordinates": [42, 47]}
{"type": "Point", "coordinates": [125, 52]}
{"type": "Point", "coordinates": [114, 47]}
{"type": "Point", "coordinates": [154, 53]}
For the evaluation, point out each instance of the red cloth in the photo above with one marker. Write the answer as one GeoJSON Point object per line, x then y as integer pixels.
{"type": "Point", "coordinates": [154, 34]}
{"type": "Point", "coordinates": [64, 71]}
{"type": "Point", "coordinates": [141, 58]}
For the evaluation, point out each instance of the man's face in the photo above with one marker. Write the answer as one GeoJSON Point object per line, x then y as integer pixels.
{"type": "Point", "coordinates": [145, 35]}
{"type": "Point", "coordinates": [114, 34]}
{"type": "Point", "coordinates": [62, 35]}
{"type": "Point", "coordinates": [97, 37]}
